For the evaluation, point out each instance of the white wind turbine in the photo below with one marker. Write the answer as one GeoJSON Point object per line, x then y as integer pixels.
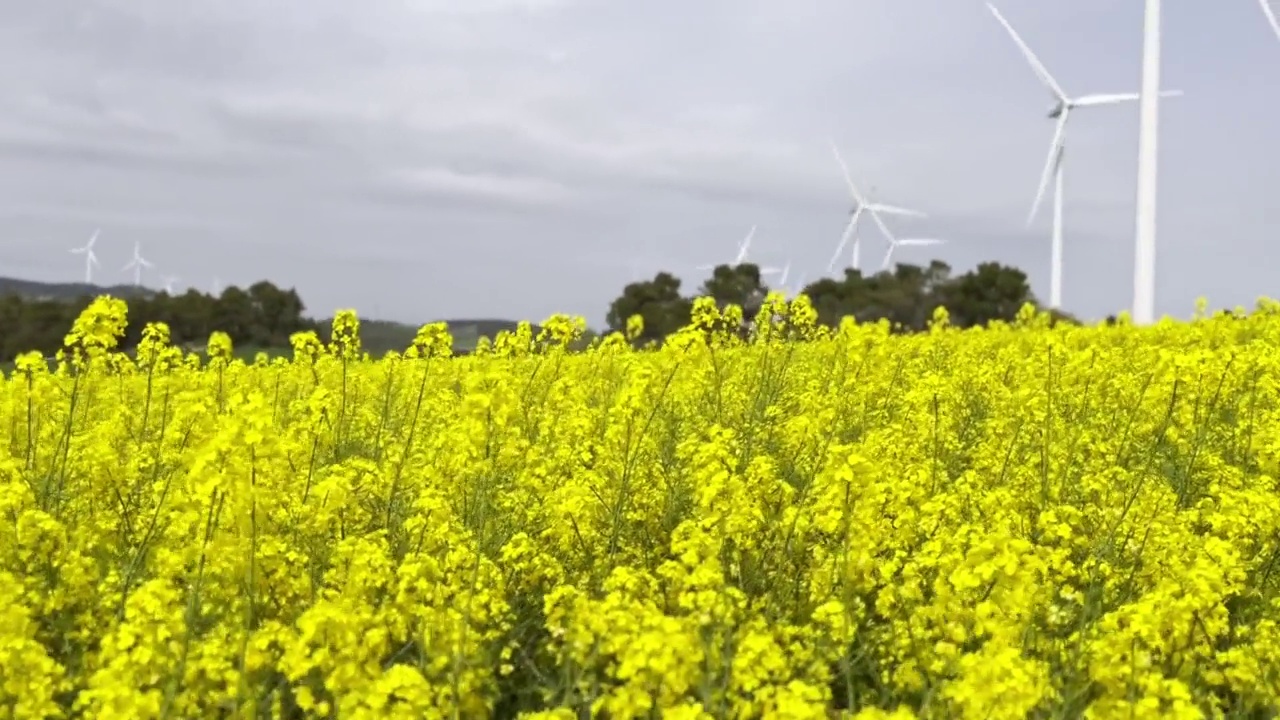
{"type": "Point", "coordinates": [168, 282]}
{"type": "Point", "coordinates": [137, 264]}
{"type": "Point", "coordinates": [90, 260]}
{"type": "Point", "coordinates": [1053, 166]}
{"type": "Point", "coordinates": [861, 203]}
{"type": "Point", "coordinates": [741, 257]}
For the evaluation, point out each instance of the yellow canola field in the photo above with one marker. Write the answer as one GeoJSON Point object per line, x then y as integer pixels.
{"type": "Point", "coordinates": [1020, 521]}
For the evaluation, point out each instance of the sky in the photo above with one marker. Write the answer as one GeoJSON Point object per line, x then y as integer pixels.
{"type": "Point", "coordinates": [428, 159]}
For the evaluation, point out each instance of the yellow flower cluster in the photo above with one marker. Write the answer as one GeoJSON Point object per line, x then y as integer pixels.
{"type": "Point", "coordinates": [1025, 520]}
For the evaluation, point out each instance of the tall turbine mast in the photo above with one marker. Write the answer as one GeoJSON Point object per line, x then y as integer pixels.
{"type": "Point", "coordinates": [1144, 246]}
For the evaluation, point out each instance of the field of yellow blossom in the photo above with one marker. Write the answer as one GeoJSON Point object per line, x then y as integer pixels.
{"type": "Point", "coordinates": [1017, 521]}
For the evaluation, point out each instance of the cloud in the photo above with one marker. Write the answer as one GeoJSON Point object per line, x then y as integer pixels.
{"type": "Point", "coordinates": [533, 146]}
{"type": "Point", "coordinates": [452, 184]}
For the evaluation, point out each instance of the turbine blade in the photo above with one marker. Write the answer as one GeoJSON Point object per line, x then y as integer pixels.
{"type": "Point", "coordinates": [1050, 163]}
{"type": "Point", "coordinates": [1105, 99]}
{"type": "Point", "coordinates": [1037, 66]}
{"type": "Point", "coordinates": [745, 245]}
{"type": "Point", "coordinates": [1115, 98]}
{"type": "Point", "coordinates": [844, 239]}
{"type": "Point", "coordinates": [921, 242]}
{"type": "Point", "coordinates": [896, 210]}
{"type": "Point", "coordinates": [853, 189]}
{"type": "Point", "coordinates": [875, 217]}
{"type": "Point", "coordinates": [92, 239]}
{"type": "Point", "coordinates": [1271, 16]}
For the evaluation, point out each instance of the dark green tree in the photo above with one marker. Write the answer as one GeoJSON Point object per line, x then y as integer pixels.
{"type": "Point", "coordinates": [989, 292]}
{"type": "Point", "coordinates": [262, 317]}
{"type": "Point", "coordinates": [736, 285]}
{"type": "Point", "coordinates": [657, 301]}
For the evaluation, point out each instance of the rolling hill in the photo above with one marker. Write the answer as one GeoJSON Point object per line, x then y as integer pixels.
{"type": "Point", "coordinates": [36, 290]}
{"type": "Point", "coordinates": [377, 336]}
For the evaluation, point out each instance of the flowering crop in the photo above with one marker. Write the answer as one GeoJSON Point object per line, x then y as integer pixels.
{"type": "Point", "coordinates": [1017, 521]}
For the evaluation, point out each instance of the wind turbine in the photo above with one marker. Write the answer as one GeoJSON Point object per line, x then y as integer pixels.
{"type": "Point", "coordinates": [89, 258]}
{"type": "Point", "coordinates": [167, 282]}
{"type": "Point", "coordinates": [1053, 166]}
{"type": "Point", "coordinates": [743, 247]}
{"type": "Point", "coordinates": [861, 203]}
{"type": "Point", "coordinates": [137, 264]}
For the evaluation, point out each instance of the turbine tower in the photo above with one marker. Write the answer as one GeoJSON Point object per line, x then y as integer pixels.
{"type": "Point", "coordinates": [1144, 241]}
{"type": "Point", "coordinates": [137, 264]}
{"type": "Point", "coordinates": [861, 203]}
{"type": "Point", "coordinates": [90, 260]}
{"type": "Point", "coordinates": [1053, 167]}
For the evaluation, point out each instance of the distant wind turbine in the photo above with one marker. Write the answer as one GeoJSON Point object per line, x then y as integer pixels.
{"type": "Point", "coordinates": [1053, 166]}
{"type": "Point", "coordinates": [90, 260]}
{"type": "Point", "coordinates": [168, 283]}
{"type": "Point", "coordinates": [862, 203]}
{"type": "Point", "coordinates": [137, 264]}
{"type": "Point", "coordinates": [743, 248]}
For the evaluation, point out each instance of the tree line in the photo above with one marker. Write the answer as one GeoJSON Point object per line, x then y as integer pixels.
{"type": "Point", "coordinates": [905, 296]}
{"type": "Point", "coordinates": [263, 316]}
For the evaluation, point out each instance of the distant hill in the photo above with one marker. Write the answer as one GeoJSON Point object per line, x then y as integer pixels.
{"type": "Point", "coordinates": [36, 290]}
{"type": "Point", "coordinates": [377, 336]}
{"type": "Point", "coordinates": [380, 336]}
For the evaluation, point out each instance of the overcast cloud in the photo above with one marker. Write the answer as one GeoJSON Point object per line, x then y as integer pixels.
{"type": "Point", "coordinates": [420, 159]}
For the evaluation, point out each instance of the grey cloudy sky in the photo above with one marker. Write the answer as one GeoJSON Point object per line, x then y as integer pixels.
{"type": "Point", "coordinates": [419, 159]}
